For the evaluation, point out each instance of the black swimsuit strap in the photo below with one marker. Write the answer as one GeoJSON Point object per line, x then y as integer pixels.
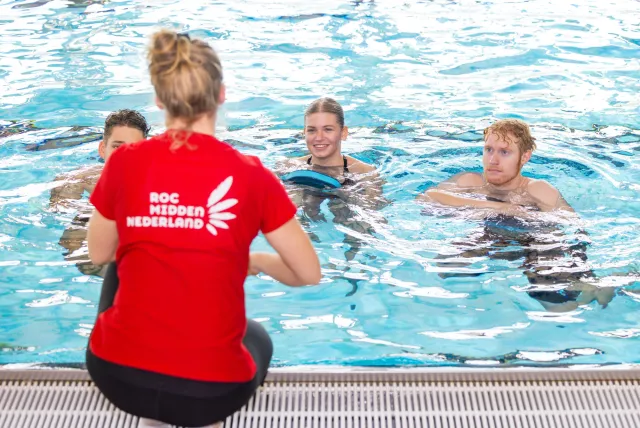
{"type": "Point", "coordinates": [344, 159]}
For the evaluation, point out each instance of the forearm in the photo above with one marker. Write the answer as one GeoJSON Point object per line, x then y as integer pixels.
{"type": "Point", "coordinates": [101, 255]}
{"type": "Point", "coordinates": [66, 191]}
{"type": "Point", "coordinates": [273, 265]}
{"type": "Point", "coordinates": [375, 199]}
{"type": "Point", "coordinates": [454, 200]}
{"type": "Point", "coordinates": [102, 239]}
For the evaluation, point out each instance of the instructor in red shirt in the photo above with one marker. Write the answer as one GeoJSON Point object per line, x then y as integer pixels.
{"type": "Point", "coordinates": [177, 213]}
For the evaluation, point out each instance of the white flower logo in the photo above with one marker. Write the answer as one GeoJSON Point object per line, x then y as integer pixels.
{"type": "Point", "coordinates": [217, 216]}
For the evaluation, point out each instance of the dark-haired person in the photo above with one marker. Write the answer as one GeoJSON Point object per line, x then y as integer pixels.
{"type": "Point", "coordinates": [120, 127]}
{"type": "Point", "coordinates": [178, 213]}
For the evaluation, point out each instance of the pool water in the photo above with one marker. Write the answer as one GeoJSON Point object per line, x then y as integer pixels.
{"type": "Point", "coordinates": [419, 81]}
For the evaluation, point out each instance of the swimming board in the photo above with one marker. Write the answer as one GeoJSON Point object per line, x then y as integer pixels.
{"type": "Point", "coordinates": [311, 178]}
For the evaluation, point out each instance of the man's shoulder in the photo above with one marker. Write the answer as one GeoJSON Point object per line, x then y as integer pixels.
{"type": "Point", "coordinates": [468, 179]}
{"type": "Point", "coordinates": [252, 165]}
{"type": "Point", "coordinates": [543, 191]}
{"type": "Point", "coordinates": [80, 173]}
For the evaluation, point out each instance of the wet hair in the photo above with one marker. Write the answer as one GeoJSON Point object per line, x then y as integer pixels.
{"type": "Point", "coordinates": [506, 129]}
{"type": "Point", "coordinates": [187, 77]}
{"type": "Point", "coordinates": [326, 105]}
{"type": "Point", "coordinates": [125, 117]}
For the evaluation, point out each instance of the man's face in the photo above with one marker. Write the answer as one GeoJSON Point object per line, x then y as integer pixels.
{"type": "Point", "coordinates": [119, 135]}
{"type": "Point", "coordinates": [501, 159]}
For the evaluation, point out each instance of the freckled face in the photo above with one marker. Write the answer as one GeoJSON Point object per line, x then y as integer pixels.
{"type": "Point", "coordinates": [502, 160]}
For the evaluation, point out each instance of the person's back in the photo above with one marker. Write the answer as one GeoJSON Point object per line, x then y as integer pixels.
{"type": "Point", "coordinates": [178, 213]}
{"type": "Point", "coordinates": [186, 220]}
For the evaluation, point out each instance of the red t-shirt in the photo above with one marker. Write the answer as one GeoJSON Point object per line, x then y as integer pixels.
{"type": "Point", "coordinates": [185, 221]}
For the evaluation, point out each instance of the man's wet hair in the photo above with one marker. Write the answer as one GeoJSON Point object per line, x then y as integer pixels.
{"type": "Point", "coordinates": [125, 117]}
{"type": "Point", "coordinates": [508, 129]}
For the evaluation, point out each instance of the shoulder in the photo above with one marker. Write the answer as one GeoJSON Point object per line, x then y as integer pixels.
{"type": "Point", "coordinates": [251, 161]}
{"type": "Point", "coordinates": [262, 179]}
{"type": "Point", "coordinates": [90, 173]}
{"type": "Point", "coordinates": [289, 164]}
{"type": "Point", "coordinates": [151, 143]}
{"type": "Point", "coordinates": [81, 173]}
{"type": "Point", "coordinates": [547, 197]}
{"type": "Point", "coordinates": [255, 167]}
{"type": "Point", "coordinates": [358, 167]}
{"type": "Point", "coordinates": [467, 179]}
{"type": "Point", "coordinates": [543, 191]}
{"type": "Point", "coordinates": [232, 157]}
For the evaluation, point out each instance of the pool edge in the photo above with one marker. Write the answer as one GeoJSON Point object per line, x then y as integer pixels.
{"type": "Point", "coordinates": [613, 372]}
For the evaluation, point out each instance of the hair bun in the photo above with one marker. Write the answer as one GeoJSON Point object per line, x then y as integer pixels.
{"type": "Point", "coordinates": [169, 51]}
{"type": "Point", "coordinates": [186, 75]}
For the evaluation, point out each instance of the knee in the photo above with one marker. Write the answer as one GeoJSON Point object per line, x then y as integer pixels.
{"type": "Point", "coordinates": [258, 341]}
{"type": "Point", "coordinates": [257, 333]}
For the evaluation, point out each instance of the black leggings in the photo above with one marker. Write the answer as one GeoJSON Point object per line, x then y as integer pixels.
{"type": "Point", "coordinates": [170, 399]}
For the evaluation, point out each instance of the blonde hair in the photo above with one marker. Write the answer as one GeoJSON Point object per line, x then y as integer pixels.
{"type": "Point", "coordinates": [506, 129]}
{"type": "Point", "coordinates": [326, 105]}
{"type": "Point", "coordinates": [187, 77]}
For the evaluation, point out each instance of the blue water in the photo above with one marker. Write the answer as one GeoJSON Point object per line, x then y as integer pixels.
{"type": "Point", "coordinates": [419, 81]}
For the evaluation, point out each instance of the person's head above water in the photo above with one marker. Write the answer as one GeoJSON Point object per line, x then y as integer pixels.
{"type": "Point", "coordinates": [324, 131]}
{"type": "Point", "coordinates": [122, 127]}
{"type": "Point", "coordinates": [508, 146]}
{"type": "Point", "coordinates": [187, 77]}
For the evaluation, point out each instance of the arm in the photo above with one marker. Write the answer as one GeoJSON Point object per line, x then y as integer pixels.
{"type": "Point", "coordinates": [370, 191]}
{"type": "Point", "coordinates": [447, 198]}
{"type": "Point", "coordinates": [488, 208]}
{"type": "Point", "coordinates": [68, 189]}
{"type": "Point", "coordinates": [102, 232]}
{"type": "Point", "coordinates": [368, 187]}
{"type": "Point", "coordinates": [73, 185]}
{"type": "Point", "coordinates": [547, 197]}
{"type": "Point", "coordinates": [102, 239]}
{"type": "Point", "coordinates": [459, 183]}
{"type": "Point", "coordinates": [288, 164]}
{"type": "Point", "coordinates": [505, 208]}
{"type": "Point", "coordinates": [295, 263]}
{"type": "Point", "coordinates": [373, 184]}
{"type": "Point", "coordinates": [73, 237]}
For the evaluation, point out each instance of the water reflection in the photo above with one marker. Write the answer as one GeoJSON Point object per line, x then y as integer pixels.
{"type": "Point", "coordinates": [69, 3]}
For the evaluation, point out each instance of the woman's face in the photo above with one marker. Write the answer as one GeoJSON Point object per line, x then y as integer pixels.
{"type": "Point", "coordinates": [324, 135]}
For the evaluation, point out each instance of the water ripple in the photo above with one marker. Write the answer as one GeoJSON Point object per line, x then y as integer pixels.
{"type": "Point", "coordinates": [419, 81]}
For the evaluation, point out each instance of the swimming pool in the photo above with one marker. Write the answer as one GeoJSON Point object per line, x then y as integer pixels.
{"type": "Point", "coordinates": [419, 81]}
